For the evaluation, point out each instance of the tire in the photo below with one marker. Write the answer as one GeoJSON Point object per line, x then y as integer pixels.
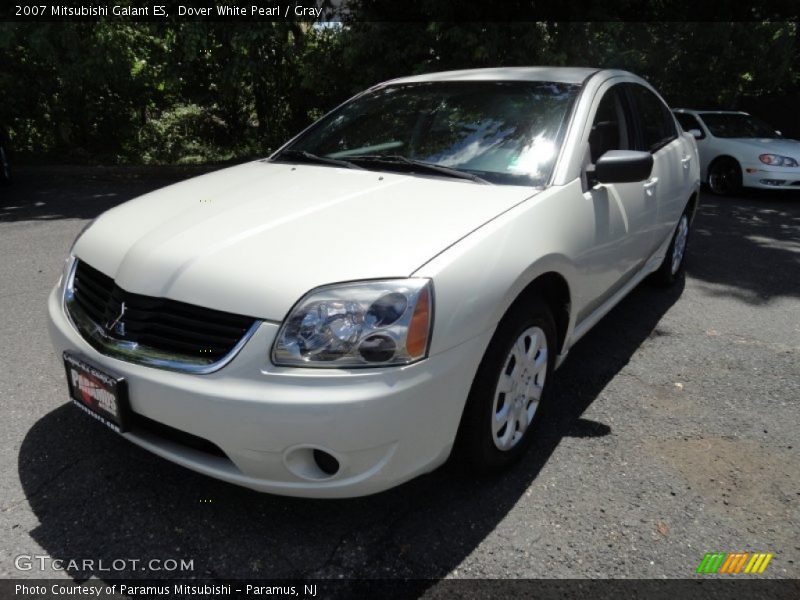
{"type": "Point", "coordinates": [725, 177]}
{"type": "Point", "coordinates": [5, 166]}
{"type": "Point", "coordinates": [524, 348]}
{"type": "Point", "coordinates": [672, 267]}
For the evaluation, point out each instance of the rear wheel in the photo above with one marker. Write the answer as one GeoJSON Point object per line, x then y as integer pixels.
{"type": "Point", "coordinates": [504, 405]}
{"type": "Point", "coordinates": [672, 267]}
{"type": "Point", "coordinates": [725, 177]}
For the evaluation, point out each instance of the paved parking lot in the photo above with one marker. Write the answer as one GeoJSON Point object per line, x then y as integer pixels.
{"type": "Point", "coordinates": [675, 434]}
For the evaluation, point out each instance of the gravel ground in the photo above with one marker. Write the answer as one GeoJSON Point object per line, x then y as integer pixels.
{"type": "Point", "coordinates": [675, 434]}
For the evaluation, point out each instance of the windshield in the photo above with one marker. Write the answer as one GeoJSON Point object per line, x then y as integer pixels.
{"type": "Point", "coordinates": [501, 132]}
{"type": "Point", "coordinates": [737, 126]}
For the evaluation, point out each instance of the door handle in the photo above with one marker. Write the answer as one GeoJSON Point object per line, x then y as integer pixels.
{"type": "Point", "coordinates": [685, 161]}
{"type": "Point", "coordinates": [650, 185]}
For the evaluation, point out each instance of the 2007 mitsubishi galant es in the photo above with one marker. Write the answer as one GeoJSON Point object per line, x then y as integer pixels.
{"type": "Point", "coordinates": [395, 284]}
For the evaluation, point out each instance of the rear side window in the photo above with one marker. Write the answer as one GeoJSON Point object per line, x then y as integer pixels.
{"type": "Point", "coordinates": [656, 121]}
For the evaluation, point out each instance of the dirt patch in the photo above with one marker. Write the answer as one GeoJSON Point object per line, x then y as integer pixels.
{"type": "Point", "coordinates": [738, 475]}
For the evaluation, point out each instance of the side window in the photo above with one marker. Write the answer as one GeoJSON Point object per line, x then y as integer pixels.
{"type": "Point", "coordinates": [688, 122]}
{"type": "Point", "coordinates": [610, 129]}
{"type": "Point", "coordinates": [658, 126]}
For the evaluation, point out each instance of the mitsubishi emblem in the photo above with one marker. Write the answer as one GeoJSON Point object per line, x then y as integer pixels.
{"type": "Point", "coordinates": [117, 325]}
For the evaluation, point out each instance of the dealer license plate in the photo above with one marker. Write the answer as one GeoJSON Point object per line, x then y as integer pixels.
{"type": "Point", "coordinates": [97, 392]}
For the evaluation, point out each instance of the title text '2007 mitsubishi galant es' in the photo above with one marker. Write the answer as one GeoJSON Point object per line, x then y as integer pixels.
{"type": "Point", "coordinates": [395, 284]}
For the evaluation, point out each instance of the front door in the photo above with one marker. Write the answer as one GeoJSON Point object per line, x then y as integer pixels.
{"type": "Point", "coordinates": [624, 213]}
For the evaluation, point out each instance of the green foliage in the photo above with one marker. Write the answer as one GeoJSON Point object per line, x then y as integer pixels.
{"type": "Point", "coordinates": [185, 134]}
{"type": "Point", "coordinates": [204, 91]}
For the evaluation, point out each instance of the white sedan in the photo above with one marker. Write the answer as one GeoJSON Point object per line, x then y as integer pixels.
{"type": "Point", "coordinates": [738, 150]}
{"type": "Point", "coordinates": [395, 284]}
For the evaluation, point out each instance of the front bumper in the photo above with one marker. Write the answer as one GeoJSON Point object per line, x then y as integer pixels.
{"type": "Point", "coordinates": [771, 178]}
{"type": "Point", "coordinates": [384, 426]}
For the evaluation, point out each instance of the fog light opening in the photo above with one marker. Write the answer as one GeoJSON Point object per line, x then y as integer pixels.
{"type": "Point", "coordinates": [327, 463]}
{"type": "Point", "coordinates": [312, 463]}
{"type": "Point", "coordinates": [773, 181]}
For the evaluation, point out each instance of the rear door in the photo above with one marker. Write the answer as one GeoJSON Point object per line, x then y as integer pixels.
{"type": "Point", "coordinates": [688, 122]}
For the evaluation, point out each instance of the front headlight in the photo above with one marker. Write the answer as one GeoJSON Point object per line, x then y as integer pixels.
{"type": "Point", "coordinates": [362, 324]}
{"type": "Point", "coordinates": [776, 160]}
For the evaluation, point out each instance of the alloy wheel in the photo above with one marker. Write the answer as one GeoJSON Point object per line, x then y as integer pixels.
{"type": "Point", "coordinates": [724, 178]}
{"type": "Point", "coordinates": [519, 388]}
{"type": "Point", "coordinates": [679, 247]}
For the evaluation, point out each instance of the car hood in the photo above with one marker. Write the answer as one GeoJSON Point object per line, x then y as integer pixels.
{"type": "Point", "coordinates": [782, 146]}
{"type": "Point", "coordinates": [252, 239]}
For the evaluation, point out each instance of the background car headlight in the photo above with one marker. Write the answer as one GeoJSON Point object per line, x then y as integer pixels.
{"type": "Point", "coordinates": [776, 160]}
{"type": "Point", "coordinates": [362, 324]}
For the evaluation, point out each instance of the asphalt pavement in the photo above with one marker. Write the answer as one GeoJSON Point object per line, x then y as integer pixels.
{"type": "Point", "coordinates": [675, 434]}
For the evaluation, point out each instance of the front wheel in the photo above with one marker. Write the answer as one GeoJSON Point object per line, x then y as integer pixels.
{"type": "Point", "coordinates": [725, 177]}
{"type": "Point", "coordinates": [509, 389]}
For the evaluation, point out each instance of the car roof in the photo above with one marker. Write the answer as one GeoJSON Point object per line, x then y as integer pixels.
{"type": "Point", "coordinates": [695, 111]}
{"type": "Point", "coordinates": [575, 75]}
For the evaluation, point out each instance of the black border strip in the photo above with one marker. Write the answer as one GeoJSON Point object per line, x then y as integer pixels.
{"type": "Point", "coordinates": [401, 11]}
{"type": "Point", "coordinates": [540, 589]}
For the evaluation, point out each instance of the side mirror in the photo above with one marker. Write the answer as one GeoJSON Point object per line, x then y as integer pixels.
{"type": "Point", "coordinates": [778, 133]}
{"type": "Point", "coordinates": [696, 134]}
{"type": "Point", "coordinates": [623, 166]}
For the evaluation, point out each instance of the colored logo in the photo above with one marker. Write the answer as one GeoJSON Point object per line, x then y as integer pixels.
{"type": "Point", "coordinates": [735, 563]}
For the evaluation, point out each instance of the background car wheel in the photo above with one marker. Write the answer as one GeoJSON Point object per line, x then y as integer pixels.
{"type": "Point", "coordinates": [5, 166]}
{"type": "Point", "coordinates": [672, 267]}
{"type": "Point", "coordinates": [509, 389]}
{"type": "Point", "coordinates": [725, 177]}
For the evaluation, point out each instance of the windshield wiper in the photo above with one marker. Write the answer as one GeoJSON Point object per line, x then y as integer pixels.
{"type": "Point", "coordinates": [303, 156]}
{"type": "Point", "coordinates": [413, 164]}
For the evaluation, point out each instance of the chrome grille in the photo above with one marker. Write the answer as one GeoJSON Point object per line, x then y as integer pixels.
{"type": "Point", "coordinates": [165, 330]}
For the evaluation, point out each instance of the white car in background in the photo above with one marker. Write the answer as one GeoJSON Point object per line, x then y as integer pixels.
{"type": "Point", "coordinates": [739, 150]}
{"type": "Point", "coordinates": [399, 280]}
